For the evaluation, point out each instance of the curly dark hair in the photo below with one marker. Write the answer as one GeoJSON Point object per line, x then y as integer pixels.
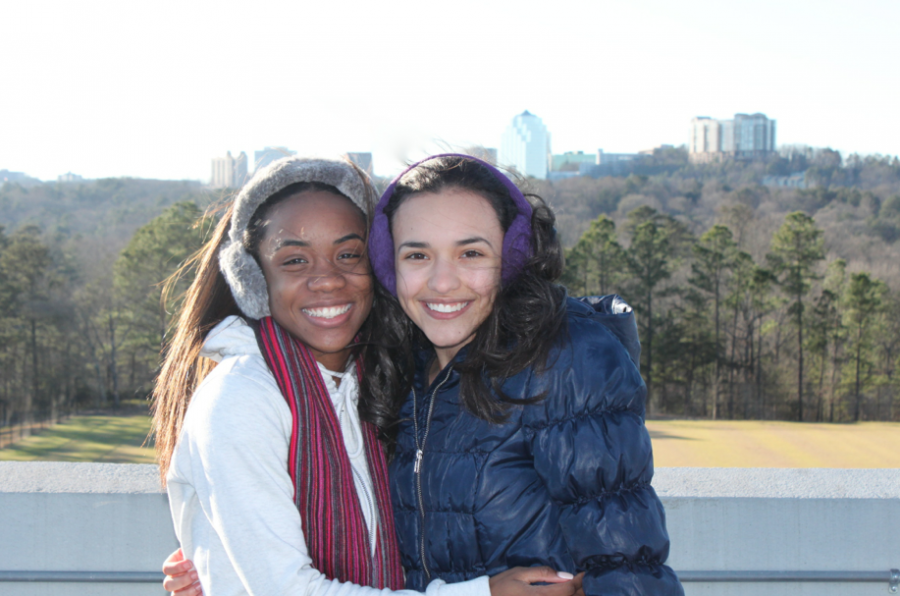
{"type": "Point", "coordinates": [527, 317]}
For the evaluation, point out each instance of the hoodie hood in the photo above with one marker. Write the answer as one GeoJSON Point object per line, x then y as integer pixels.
{"type": "Point", "coordinates": [232, 337]}
{"type": "Point", "coordinates": [616, 315]}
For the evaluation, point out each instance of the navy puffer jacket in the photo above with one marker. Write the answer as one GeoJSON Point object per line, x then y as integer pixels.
{"type": "Point", "coordinates": [564, 482]}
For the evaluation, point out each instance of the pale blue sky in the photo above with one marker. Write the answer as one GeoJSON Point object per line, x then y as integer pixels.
{"type": "Point", "coordinates": [157, 89]}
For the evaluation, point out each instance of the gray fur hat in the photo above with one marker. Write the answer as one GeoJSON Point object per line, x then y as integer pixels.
{"type": "Point", "coordinates": [243, 274]}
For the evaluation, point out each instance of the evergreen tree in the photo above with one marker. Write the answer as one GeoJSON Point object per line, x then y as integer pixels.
{"type": "Point", "coordinates": [864, 300]}
{"type": "Point", "coordinates": [797, 248]}
{"type": "Point", "coordinates": [656, 242]}
{"type": "Point", "coordinates": [713, 257]}
{"type": "Point", "coordinates": [154, 253]}
{"type": "Point", "coordinates": [596, 262]}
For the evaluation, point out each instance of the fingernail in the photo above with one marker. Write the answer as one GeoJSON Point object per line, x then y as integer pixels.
{"type": "Point", "coordinates": [194, 576]}
{"type": "Point", "coordinates": [565, 575]}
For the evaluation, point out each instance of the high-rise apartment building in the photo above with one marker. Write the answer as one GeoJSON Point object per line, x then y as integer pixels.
{"type": "Point", "coordinates": [263, 158]}
{"type": "Point", "coordinates": [228, 171]}
{"type": "Point", "coordinates": [525, 146]}
{"type": "Point", "coordinates": [744, 137]}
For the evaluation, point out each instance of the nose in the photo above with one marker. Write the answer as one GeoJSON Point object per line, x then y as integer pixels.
{"type": "Point", "coordinates": [444, 277]}
{"type": "Point", "coordinates": [326, 277]}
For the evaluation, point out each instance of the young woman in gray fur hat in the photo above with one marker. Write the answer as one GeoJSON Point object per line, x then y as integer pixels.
{"type": "Point", "coordinates": [267, 444]}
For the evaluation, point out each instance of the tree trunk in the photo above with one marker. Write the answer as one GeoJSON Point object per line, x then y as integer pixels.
{"type": "Point", "coordinates": [800, 359]}
{"type": "Point", "coordinates": [113, 365]}
{"type": "Point", "coordinates": [858, 358]}
{"type": "Point", "coordinates": [649, 353]}
{"type": "Point", "coordinates": [31, 396]}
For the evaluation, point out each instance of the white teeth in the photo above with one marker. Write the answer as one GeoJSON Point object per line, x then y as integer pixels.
{"type": "Point", "coordinates": [438, 307]}
{"type": "Point", "coordinates": [327, 312]}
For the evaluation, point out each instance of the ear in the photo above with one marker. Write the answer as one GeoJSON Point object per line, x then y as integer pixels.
{"type": "Point", "coordinates": [246, 280]}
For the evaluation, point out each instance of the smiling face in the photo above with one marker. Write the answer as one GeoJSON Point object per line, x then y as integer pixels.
{"type": "Point", "coordinates": [313, 258]}
{"type": "Point", "coordinates": [447, 249]}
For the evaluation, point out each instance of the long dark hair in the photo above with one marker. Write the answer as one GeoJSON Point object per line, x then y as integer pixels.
{"type": "Point", "coordinates": [528, 314]}
{"type": "Point", "coordinates": [209, 300]}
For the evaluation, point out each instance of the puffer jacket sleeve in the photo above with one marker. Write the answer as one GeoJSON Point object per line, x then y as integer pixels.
{"type": "Point", "coordinates": [593, 452]}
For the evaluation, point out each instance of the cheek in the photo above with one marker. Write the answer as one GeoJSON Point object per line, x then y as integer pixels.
{"type": "Point", "coordinates": [282, 288]}
{"type": "Point", "coordinates": [408, 283]}
{"type": "Point", "coordinates": [485, 282]}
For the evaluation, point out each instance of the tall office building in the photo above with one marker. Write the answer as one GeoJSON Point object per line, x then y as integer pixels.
{"type": "Point", "coordinates": [744, 137]}
{"type": "Point", "coordinates": [263, 158]}
{"type": "Point", "coordinates": [228, 171]}
{"type": "Point", "coordinates": [525, 146]}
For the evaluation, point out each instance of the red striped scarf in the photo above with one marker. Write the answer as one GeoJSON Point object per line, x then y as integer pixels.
{"type": "Point", "coordinates": [324, 491]}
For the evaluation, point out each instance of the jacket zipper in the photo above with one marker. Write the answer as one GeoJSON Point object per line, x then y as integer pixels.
{"type": "Point", "coordinates": [417, 468]}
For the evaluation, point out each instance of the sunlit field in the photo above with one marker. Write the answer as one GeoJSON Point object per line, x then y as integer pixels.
{"type": "Point", "coordinates": [109, 439]}
{"type": "Point", "coordinates": [676, 443]}
{"type": "Point", "coordinates": [768, 444]}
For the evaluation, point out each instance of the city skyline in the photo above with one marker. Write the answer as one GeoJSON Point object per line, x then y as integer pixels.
{"type": "Point", "coordinates": [104, 89]}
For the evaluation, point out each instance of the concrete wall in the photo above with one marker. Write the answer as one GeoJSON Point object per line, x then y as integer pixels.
{"type": "Point", "coordinates": [82, 517]}
{"type": "Point", "coordinates": [782, 520]}
{"type": "Point", "coordinates": [109, 517]}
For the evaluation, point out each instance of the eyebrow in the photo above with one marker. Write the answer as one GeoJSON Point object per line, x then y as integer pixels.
{"type": "Point", "coordinates": [284, 243]}
{"type": "Point", "coordinates": [463, 242]}
{"type": "Point", "coordinates": [473, 240]}
{"type": "Point", "coordinates": [351, 236]}
{"type": "Point", "coordinates": [304, 243]}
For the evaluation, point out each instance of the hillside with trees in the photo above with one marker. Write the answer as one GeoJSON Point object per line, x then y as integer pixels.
{"type": "Point", "coordinates": [80, 269]}
{"type": "Point", "coordinates": [753, 300]}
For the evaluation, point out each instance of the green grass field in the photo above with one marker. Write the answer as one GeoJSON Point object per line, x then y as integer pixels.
{"type": "Point", "coordinates": [676, 443]}
{"type": "Point", "coordinates": [109, 439]}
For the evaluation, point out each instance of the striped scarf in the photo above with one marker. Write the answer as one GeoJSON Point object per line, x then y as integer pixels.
{"type": "Point", "coordinates": [333, 524]}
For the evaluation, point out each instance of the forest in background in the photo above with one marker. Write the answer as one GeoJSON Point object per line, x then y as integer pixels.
{"type": "Point", "coordinates": [753, 301]}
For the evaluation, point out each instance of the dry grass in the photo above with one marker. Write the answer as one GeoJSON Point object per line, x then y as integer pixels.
{"type": "Point", "coordinates": [766, 444]}
{"type": "Point", "coordinates": [676, 443]}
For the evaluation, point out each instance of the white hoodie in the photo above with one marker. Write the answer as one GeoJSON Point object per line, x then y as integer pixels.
{"type": "Point", "coordinates": [229, 489]}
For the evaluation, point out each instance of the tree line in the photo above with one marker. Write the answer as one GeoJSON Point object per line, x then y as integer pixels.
{"type": "Point", "coordinates": [752, 301]}
{"type": "Point", "coordinates": [725, 335]}
{"type": "Point", "coordinates": [72, 341]}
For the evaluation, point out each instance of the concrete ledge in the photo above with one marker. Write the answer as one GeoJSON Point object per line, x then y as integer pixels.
{"type": "Point", "coordinates": [64, 477]}
{"type": "Point", "coordinates": [77, 517]}
{"type": "Point", "coordinates": [777, 483]}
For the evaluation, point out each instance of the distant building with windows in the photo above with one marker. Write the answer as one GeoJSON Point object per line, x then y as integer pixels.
{"type": "Point", "coordinates": [69, 177]}
{"type": "Point", "coordinates": [7, 176]}
{"type": "Point", "coordinates": [747, 136]}
{"type": "Point", "coordinates": [579, 163]}
{"type": "Point", "coordinates": [525, 146]}
{"type": "Point", "coordinates": [362, 160]}
{"type": "Point", "coordinates": [795, 180]}
{"type": "Point", "coordinates": [228, 171]}
{"type": "Point", "coordinates": [570, 160]}
{"type": "Point", "coordinates": [604, 158]}
{"type": "Point", "coordinates": [263, 158]}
